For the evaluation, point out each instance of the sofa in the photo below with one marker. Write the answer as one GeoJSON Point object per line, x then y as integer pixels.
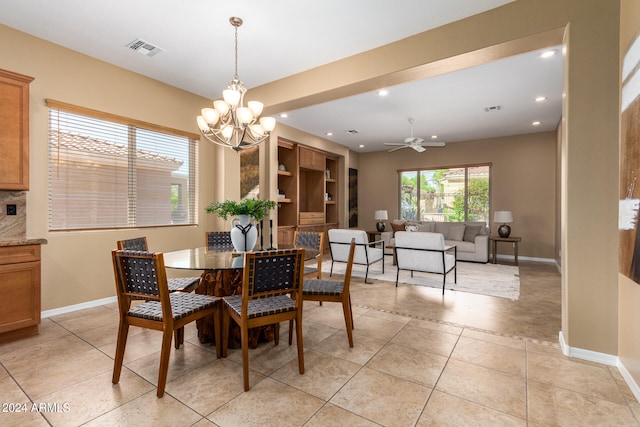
{"type": "Point", "coordinates": [470, 237]}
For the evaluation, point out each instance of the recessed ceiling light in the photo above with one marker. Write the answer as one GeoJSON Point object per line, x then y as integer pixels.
{"type": "Point", "coordinates": [361, 146]}
{"type": "Point", "coordinates": [434, 136]}
{"type": "Point", "coordinates": [329, 133]}
{"type": "Point", "coordinates": [383, 92]}
{"type": "Point", "coordinates": [284, 115]}
{"type": "Point", "coordinates": [536, 123]}
{"type": "Point", "coordinates": [541, 98]}
{"type": "Point", "coordinates": [548, 53]}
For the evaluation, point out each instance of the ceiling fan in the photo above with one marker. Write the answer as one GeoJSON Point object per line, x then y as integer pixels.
{"type": "Point", "coordinates": [414, 142]}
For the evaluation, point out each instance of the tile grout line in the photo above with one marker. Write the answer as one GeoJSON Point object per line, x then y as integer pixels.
{"type": "Point", "coordinates": [457, 325]}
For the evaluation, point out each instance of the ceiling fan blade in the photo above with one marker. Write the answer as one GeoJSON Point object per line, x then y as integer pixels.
{"type": "Point", "coordinates": [418, 148]}
{"type": "Point", "coordinates": [413, 140]}
{"type": "Point", "coordinates": [394, 143]}
{"type": "Point", "coordinates": [399, 148]}
{"type": "Point", "coordinates": [433, 144]}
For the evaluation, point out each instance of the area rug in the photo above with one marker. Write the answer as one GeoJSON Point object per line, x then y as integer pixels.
{"type": "Point", "coordinates": [496, 280]}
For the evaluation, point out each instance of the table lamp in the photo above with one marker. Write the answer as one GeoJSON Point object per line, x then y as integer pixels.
{"type": "Point", "coordinates": [503, 217]}
{"type": "Point", "coordinates": [380, 216]}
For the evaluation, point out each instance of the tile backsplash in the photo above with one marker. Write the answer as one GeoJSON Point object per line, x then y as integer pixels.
{"type": "Point", "coordinates": [13, 226]}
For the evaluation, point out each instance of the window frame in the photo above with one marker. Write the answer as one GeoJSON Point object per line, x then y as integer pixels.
{"type": "Point", "coordinates": [466, 167]}
{"type": "Point", "coordinates": [133, 125]}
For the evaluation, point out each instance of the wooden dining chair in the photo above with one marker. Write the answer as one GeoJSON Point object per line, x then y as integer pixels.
{"type": "Point", "coordinates": [141, 276]}
{"type": "Point", "coordinates": [271, 293]}
{"type": "Point", "coordinates": [313, 244]}
{"type": "Point", "coordinates": [332, 291]}
{"type": "Point", "coordinates": [175, 284]}
{"type": "Point", "coordinates": [219, 240]}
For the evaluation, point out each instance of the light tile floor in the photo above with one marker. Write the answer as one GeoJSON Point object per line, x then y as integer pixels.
{"type": "Point", "coordinates": [419, 358]}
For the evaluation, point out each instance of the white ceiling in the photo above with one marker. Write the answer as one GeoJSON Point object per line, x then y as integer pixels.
{"type": "Point", "coordinates": [283, 37]}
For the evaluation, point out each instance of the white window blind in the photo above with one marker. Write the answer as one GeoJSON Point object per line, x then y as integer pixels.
{"type": "Point", "coordinates": [107, 171]}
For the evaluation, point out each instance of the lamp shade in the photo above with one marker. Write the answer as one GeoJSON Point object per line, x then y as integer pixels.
{"type": "Point", "coordinates": [503, 217]}
{"type": "Point", "coordinates": [381, 215]}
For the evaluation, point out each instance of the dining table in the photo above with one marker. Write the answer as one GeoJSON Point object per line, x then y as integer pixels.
{"type": "Point", "coordinates": [222, 274]}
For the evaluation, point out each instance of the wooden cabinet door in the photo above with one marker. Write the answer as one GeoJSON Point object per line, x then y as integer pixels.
{"type": "Point", "coordinates": [14, 132]}
{"type": "Point", "coordinates": [20, 302]}
{"type": "Point", "coordinates": [285, 237]}
{"type": "Point", "coordinates": [311, 159]}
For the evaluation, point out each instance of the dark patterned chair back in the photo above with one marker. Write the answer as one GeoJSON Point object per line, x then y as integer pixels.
{"type": "Point", "coordinates": [135, 244]}
{"type": "Point", "coordinates": [310, 241]}
{"type": "Point", "coordinates": [219, 240]}
{"type": "Point", "coordinates": [139, 274]}
{"type": "Point", "coordinates": [272, 273]}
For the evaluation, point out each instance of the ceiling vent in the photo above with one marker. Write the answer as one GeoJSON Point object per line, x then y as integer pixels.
{"type": "Point", "coordinates": [352, 132]}
{"type": "Point", "coordinates": [494, 108]}
{"type": "Point", "coordinates": [145, 48]}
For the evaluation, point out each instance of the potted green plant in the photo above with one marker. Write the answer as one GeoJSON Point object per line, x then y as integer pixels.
{"type": "Point", "coordinates": [256, 208]}
{"type": "Point", "coordinates": [243, 233]}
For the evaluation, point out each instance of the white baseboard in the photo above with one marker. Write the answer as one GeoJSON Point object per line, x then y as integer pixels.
{"type": "Point", "coordinates": [605, 359]}
{"type": "Point", "coordinates": [592, 356]}
{"type": "Point", "coordinates": [525, 258]}
{"type": "Point", "coordinates": [629, 380]}
{"type": "Point", "coordinates": [76, 307]}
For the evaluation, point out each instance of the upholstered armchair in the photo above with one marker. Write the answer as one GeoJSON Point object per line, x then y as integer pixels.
{"type": "Point", "coordinates": [426, 252]}
{"type": "Point", "coordinates": [367, 252]}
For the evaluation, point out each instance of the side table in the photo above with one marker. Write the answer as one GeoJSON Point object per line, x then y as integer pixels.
{"type": "Point", "coordinates": [513, 240]}
{"type": "Point", "coordinates": [373, 234]}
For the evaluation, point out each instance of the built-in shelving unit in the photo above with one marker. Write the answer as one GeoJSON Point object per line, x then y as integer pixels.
{"type": "Point", "coordinates": [308, 190]}
{"type": "Point", "coordinates": [287, 190]}
{"type": "Point", "coordinates": [331, 190]}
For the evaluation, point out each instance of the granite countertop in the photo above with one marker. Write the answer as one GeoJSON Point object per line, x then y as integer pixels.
{"type": "Point", "coordinates": [19, 241]}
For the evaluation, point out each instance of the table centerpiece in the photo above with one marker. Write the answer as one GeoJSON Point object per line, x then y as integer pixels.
{"type": "Point", "coordinates": [248, 212]}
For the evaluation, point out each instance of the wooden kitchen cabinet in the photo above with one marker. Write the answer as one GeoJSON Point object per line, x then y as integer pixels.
{"type": "Point", "coordinates": [14, 132]}
{"type": "Point", "coordinates": [20, 290]}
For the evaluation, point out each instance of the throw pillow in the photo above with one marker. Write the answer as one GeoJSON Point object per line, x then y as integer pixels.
{"type": "Point", "coordinates": [411, 228]}
{"type": "Point", "coordinates": [470, 233]}
{"type": "Point", "coordinates": [397, 226]}
{"type": "Point", "coordinates": [456, 232]}
{"type": "Point", "coordinates": [442, 227]}
{"type": "Point", "coordinates": [426, 228]}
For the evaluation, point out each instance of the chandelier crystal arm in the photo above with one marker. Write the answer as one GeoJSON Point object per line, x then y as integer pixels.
{"type": "Point", "coordinates": [229, 123]}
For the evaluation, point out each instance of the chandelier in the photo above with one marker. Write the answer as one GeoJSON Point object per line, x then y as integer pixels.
{"type": "Point", "coordinates": [229, 123]}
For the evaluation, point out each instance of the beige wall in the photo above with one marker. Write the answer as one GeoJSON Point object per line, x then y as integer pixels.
{"type": "Point", "coordinates": [589, 30]}
{"type": "Point", "coordinates": [590, 177]}
{"type": "Point", "coordinates": [588, 181]}
{"type": "Point", "coordinates": [629, 298]}
{"type": "Point", "coordinates": [589, 153]}
{"type": "Point", "coordinates": [523, 181]}
{"type": "Point", "coordinates": [76, 266]}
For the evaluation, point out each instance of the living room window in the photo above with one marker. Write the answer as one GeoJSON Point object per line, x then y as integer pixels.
{"type": "Point", "coordinates": [459, 193]}
{"type": "Point", "coordinates": [107, 171]}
